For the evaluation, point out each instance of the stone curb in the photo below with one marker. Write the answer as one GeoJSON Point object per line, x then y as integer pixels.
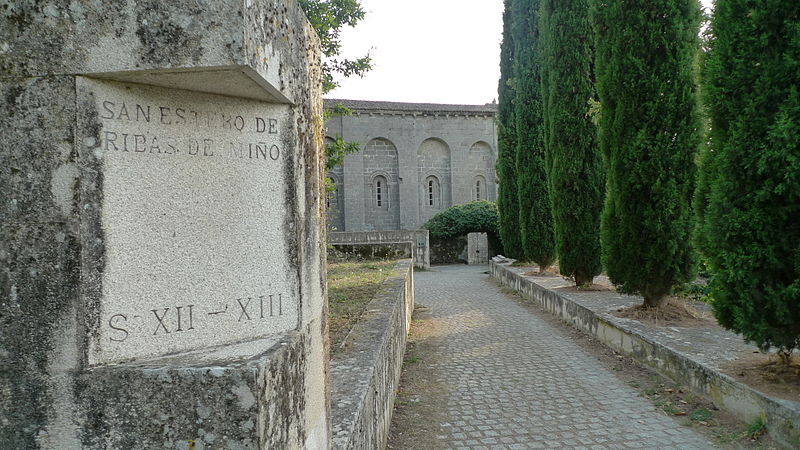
{"type": "Point", "coordinates": [782, 417]}
{"type": "Point", "coordinates": [365, 378]}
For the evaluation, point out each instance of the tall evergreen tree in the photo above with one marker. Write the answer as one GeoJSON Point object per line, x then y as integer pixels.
{"type": "Point", "coordinates": [750, 229]}
{"type": "Point", "coordinates": [577, 180]}
{"type": "Point", "coordinates": [649, 133]}
{"type": "Point", "coordinates": [507, 202]}
{"type": "Point", "coordinates": [535, 215]}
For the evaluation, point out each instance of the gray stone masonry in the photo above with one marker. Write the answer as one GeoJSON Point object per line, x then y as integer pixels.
{"type": "Point", "coordinates": [366, 374]}
{"type": "Point", "coordinates": [161, 250]}
{"type": "Point", "coordinates": [419, 240]}
{"type": "Point", "coordinates": [417, 159]}
{"type": "Point", "coordinates": [513, 382]}
{"type": "Point", "coordinates": [689, 355]}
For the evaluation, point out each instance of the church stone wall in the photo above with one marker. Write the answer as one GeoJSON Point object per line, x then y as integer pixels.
{"type": "Point", "coordinates": [444, 155]}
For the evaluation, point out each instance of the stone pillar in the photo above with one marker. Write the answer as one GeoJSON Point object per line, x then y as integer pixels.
{"type": "Point", "coordinates": [161, 251]}
{"type": "Point", "coordinates": [410, 183]}
{"type": "Point", "coordinates": [354, 209]}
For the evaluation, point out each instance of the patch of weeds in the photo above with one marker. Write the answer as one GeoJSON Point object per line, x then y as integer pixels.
{"type": "Point", "coordinates": [649, 392]}
{"type": "Point", "coordinates": [726, 437]}
{"type": "Point", "coordinates": [410, 360]}
{"type": "Point", "coordinates": [693, 291]}
{"type": "Point", "coordinates": [511, 292]}
{"type": "Point", "coordinates": [700, 415]}
{"type": "Point", "coordinates": [756, 428]}
{"type": "Point", "coordinates": [672, 410]}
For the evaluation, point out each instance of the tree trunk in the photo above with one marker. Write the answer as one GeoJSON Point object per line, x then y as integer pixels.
{"type": "Point", "coordinates": [655, 301]}
{"type": "Point", "coordinates": [785, 357]}
{"type": "Point", "coordinates": [583, 279]}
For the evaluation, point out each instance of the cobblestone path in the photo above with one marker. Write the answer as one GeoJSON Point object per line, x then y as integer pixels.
{"type": "Point", "coordinates": [514, 382]}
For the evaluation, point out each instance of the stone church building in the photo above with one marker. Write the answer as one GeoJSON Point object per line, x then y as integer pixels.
{"type": "Point", "coordinates": [416, 160]}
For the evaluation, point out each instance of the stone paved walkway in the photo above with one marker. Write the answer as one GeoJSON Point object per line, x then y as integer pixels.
{"type": "Point", "coordinates": [515, 383]}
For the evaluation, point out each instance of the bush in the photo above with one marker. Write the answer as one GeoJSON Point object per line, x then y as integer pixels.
{"type": "Point", "coordinates": [474, 217]}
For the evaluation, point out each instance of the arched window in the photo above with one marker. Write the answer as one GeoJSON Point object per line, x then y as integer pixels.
{"type": "Point", "coordinates": [331, 200]}
{"type": "Point", "coordinates": [433, 192]}
{"type": "Point", "coordinates": [479, 188]}
{"type": "Point", "coordinates": [380, 192]}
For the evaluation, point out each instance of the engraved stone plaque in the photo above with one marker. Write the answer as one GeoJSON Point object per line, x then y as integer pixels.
{"type": "Point", "coordinates": [195, 219]}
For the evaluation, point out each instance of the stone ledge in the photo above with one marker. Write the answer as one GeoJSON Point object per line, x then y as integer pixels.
{"type": "Point", "coordinates": [782, 416]}
{"type": "Point", "coordinates": [418, 239]}
{"type": "Point", "coordinates": [221, 400]}
{"type": "Point", "coordinates": [394, 250]}
{"type": "Point", "coordinates": [365, 377]}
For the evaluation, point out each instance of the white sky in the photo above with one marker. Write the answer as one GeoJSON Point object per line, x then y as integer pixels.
{"type": "Point", "coordinates": [427, 51]}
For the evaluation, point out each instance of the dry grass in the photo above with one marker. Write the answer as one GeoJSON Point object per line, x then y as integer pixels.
{"type": "Point", "coordinates": [677, 312]}
{"type": "Point", "coordinates": [351, 286]}
{"type": "Point", "coordinates": [767, 373]}
{"type": "Point", "coordinates": [586, 288]}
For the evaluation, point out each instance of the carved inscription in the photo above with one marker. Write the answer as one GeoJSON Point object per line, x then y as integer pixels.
{"type": "Point", "coordinates": [188, 318]}
{"type": "Point", "coordinates": [194, 219]}
{"type": "Point", "coordinates": [203, 122]}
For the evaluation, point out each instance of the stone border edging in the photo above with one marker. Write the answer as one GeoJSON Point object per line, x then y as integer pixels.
{"type": "Point", "coordinates": [782, 417]}
{"type": "Point", "coordinates": [365, 378]}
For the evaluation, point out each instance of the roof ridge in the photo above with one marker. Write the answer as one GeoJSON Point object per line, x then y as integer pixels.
{"type": "Point", "coordinates": [409, 106]}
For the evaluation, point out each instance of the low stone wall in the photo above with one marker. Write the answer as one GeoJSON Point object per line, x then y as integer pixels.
{"type": "Point", "coordinates": [365, 377]}
{"type": "Point", "coordinates": [393, 250]}
{"type": "Point", "coordinates": [418, 238]}
{"type": "Point", "coordinates": [782, 417]}
{"type": "Point", "coordinates": [449, 251]}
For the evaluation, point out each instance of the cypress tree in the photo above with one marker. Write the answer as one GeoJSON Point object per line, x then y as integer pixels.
{"type": "Point", "coordinates": [535, 215]}
{"type": "Point", "coordinates": [577, 181]}
{"type": "Point", "coordinates": [649, 134]}
{"type": "Point", "coordinates": [750, 229]}
{"type": "Point", "coordinates": [507, 202]}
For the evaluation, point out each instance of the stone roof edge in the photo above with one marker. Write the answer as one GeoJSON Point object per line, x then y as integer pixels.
{"type": "Point", "coordinates": [360, 107]}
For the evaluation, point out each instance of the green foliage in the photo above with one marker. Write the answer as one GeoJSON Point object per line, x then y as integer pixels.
{"type": "Point", "coordinates": [577, 179]}
{"type": "Point", "coordinates": [336, 151]}
{"type": "Point", "coordinates": [756, 428]}
{"type": "Point", "coordinates": [749, 191]}
{"type": "Point", "coordinates": [649, 134]}
{"type": "Point", "coordinates": [535, 215]}
{"type": "Point", "coordinates": [698, 292]}
{"type": "Point", "coordinates": [507, 202]}
{"type": "Point", "coordinates": [328, 17]}
{"type": "Point", "coordinates": [700, 414]}
{"type": "Point", "coordinates": [474, 217]}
